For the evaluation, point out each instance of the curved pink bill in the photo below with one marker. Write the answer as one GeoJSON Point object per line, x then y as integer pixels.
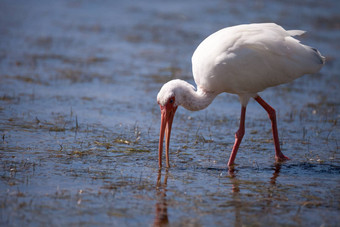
{"type": "Point", "coordinates": [167, 114]}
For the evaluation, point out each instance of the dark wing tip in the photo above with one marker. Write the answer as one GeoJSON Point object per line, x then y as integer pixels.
{"type": "Point", "coordinates": [321, 58]}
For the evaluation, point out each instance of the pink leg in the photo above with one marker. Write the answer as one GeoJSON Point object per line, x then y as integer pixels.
{"type": "Point", "coordinates": [238, 137]}
{"type": "Point", "coordinates": [279, 157]}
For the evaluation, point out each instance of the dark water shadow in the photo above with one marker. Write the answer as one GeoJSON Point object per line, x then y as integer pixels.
{"type": "Point", "coordinates": [312, 168]}
{"type": "Point", "coordinates": [161, 207]}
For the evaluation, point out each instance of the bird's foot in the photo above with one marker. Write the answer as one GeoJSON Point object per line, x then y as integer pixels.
{"type": "Point", "coordinates": [281, 158]}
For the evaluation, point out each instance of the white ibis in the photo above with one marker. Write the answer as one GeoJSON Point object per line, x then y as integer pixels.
{"type": "Point", "coordinates": [242, 60]}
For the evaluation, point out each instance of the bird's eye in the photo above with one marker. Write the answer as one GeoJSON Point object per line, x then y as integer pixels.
{"type": "Point", "coordinates": [171, 101]}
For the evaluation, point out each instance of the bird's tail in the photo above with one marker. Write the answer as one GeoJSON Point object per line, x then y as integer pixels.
{"type": "Point", "coordinates": [313, 55]}
{"type": "Point", "coordinates": [313, 61]}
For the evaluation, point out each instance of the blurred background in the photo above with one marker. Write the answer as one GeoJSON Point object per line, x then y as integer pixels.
{"type": "Point", "coordinates": [79, 120]}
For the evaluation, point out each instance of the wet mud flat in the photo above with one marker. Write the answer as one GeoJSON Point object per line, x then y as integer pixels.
{"type": "Point", "coordinates": [79, 120]}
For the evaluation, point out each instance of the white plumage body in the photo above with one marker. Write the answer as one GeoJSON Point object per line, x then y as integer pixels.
{"type": "Point", "coordinates": [246, 59]}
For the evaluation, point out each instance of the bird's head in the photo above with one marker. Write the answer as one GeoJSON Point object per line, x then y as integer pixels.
{"type": "Point", "coordinates": [173, 94]}
{"type": "Point", "coordinates": [167, 99]}
{"type": "Point", "coordinates": [174, 88]}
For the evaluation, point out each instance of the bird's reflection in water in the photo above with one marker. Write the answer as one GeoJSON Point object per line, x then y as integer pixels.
{"type": "Point", "coordinates": [272, 192]}
{"type": "Point", "coordinates": [234, 181]}
{"type": "Point", "coordinates": [277, 169]}
{"type": "Point", "coordinates": [237, 195]}
{"type": "Point", "coordinates": [161, 207]}
{"type": "Point", "coordinates": [161, 217]}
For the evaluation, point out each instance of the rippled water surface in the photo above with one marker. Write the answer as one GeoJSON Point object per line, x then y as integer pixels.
{"type": "Point", "coordinates": [80, 124]}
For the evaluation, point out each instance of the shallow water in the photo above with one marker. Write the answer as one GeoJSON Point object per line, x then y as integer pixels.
{"type": "Point", "coordinates": [79, 120]}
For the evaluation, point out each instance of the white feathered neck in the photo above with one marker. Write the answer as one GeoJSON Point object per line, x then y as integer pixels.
{"type": "Point", "coordinates": [185, 95]}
